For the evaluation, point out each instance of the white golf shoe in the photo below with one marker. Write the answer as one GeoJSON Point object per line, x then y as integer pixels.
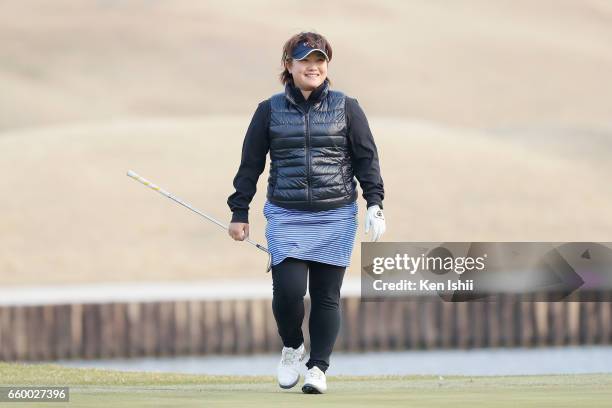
{"type": "Point", "coordinates": [314, 381]}
{"type": "Point", "coordinates": [290, 366]}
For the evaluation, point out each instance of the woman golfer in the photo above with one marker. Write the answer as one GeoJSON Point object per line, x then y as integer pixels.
{"type": "Point", "coordinates": [319, 141]}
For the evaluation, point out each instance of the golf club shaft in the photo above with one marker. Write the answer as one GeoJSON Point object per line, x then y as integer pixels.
{"type": "Point", "coordinates": [147, 183]}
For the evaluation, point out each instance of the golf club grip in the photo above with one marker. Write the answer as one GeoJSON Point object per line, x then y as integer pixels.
{"type": "Point", "coordinates": [146, 182]}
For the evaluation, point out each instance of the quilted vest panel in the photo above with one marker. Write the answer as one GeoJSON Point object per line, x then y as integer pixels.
{"type": "Point", "coordinates": [310, 162]}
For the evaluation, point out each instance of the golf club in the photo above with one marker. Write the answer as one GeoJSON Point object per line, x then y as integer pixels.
{"type": "Point", "coordinates": [146, 182]}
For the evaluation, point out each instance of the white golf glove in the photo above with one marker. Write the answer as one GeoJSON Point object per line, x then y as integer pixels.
{"type": "Point", "coordinates": [375, 219]}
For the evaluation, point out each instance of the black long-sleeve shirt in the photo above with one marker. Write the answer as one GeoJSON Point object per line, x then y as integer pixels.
{"type": "Point", "coordinates": [363, 152]}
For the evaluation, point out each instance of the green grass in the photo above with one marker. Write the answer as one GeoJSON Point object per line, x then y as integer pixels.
{"type": "Point", "coordinates": [103, 388]}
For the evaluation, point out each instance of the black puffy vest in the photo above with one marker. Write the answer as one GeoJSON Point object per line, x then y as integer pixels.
{"type": "Point", "coordinates": [310, 161]}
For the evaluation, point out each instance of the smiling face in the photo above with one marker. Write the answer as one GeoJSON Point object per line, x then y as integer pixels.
{"type": "Point", "coordinates": [310, 72]}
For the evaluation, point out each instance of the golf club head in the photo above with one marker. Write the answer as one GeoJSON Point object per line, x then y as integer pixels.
{"type": "Point", "coordinates": [269, 267]}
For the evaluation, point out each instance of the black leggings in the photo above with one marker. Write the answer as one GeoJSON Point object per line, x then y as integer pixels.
{"type": "Point", "coordinates": [289, 288]}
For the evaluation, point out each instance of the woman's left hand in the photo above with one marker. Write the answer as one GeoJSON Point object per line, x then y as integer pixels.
{"type": "Point", "coordinates": [376, 220]}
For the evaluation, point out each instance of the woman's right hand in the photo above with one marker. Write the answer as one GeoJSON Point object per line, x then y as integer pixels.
{"type": "Point", "coordinates": [238, 230]}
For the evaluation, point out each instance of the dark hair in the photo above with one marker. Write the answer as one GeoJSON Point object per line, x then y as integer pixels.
{"type": "Point", "coordinates": [314, 40]}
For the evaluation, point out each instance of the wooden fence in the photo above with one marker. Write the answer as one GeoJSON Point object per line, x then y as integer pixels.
{"type": "Point", "coordinates": [126, 329]}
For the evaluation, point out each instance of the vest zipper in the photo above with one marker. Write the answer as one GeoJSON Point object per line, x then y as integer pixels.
{"type": "Point", "coordinates": [308, 178]}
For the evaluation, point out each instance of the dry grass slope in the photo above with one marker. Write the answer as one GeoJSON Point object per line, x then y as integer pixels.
{"type": "Point", "coordinates": [498, 127]}
{"type": "Point", "coordinates": [477, 63]}
{"type": "Point", "coordinates": [72, 214]}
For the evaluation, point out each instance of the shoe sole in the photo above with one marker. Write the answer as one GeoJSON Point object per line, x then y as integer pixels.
{"type": "Point", "coordinates": [309, 389]}
{"type": "Point", "coordinates": [286, 387]}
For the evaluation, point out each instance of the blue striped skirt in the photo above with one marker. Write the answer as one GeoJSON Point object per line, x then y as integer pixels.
{"type": "Point", "coordinates": [323, 236]}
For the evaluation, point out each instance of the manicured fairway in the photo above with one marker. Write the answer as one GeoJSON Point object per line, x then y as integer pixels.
{"type": "Point", "coordinates": [100, 388]}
